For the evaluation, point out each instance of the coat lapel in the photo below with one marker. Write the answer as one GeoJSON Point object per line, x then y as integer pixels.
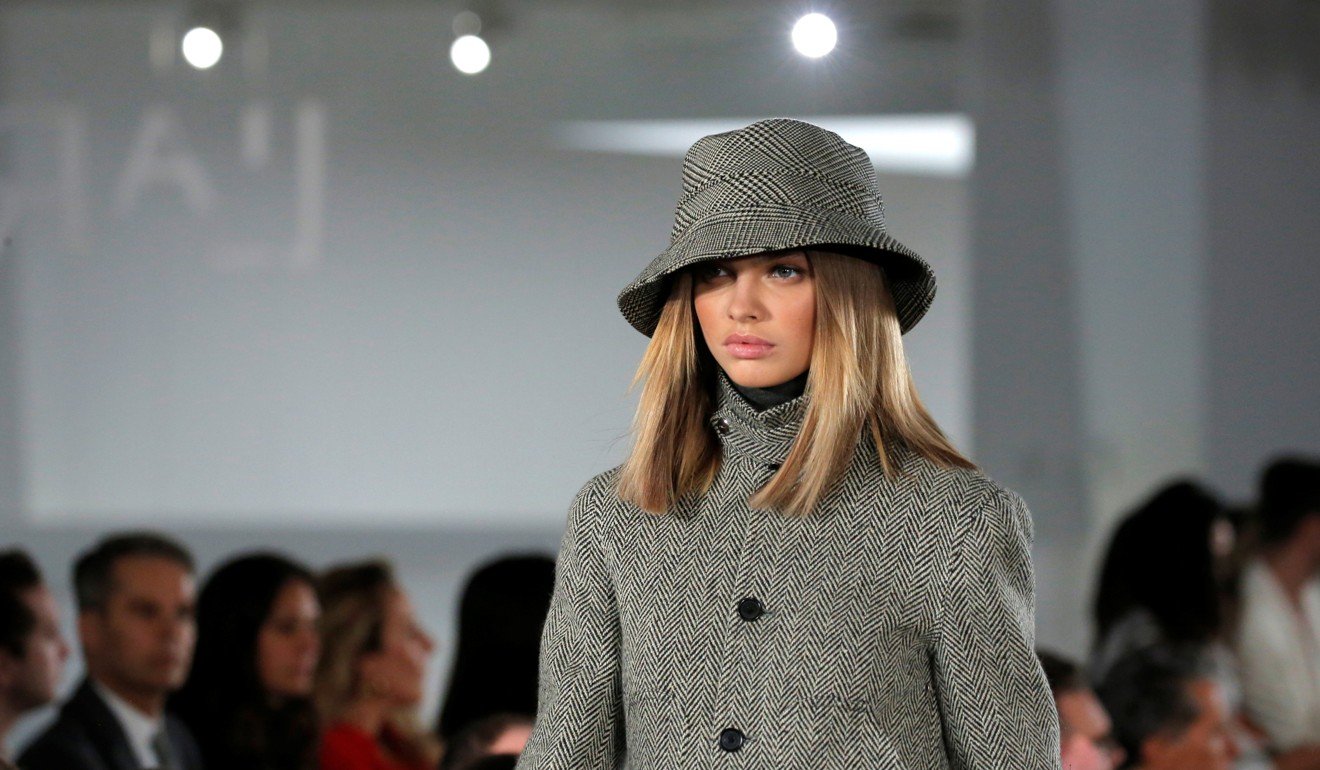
{"type": "Point", "coordinates": [106, 734]}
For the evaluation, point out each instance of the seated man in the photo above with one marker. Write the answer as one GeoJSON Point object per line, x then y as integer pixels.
{"type": "Point", "coordinates": [135, 621]}
{"type": "Point", "coordinates": [1086, 741]}
{"type": "Point", "coordinates": [1280, 620]}
{"type": "Point", "coordinates": [32, 650]}
{"type": "Point", "coordinates": [1168, 715]}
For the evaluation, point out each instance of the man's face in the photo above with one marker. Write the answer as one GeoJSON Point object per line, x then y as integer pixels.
{"type": "Point", "coordinates": [140, 643]}
{"type": "Point", "coordinates": [1207, 743]}
{"type": "Point", "coordinates": [31, 681]}
{"type": "Point", "coordinates": [1085, 733]}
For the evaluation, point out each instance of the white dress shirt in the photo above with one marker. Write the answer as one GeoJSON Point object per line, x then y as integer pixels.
{"type": "Point", "coordinates": [1280, 654]}
{"type": "Point", "coordinates": [140, 728]}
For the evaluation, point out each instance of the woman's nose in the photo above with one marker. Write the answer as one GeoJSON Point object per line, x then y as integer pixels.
{"type": "Point", "coordinates": [745, 298]}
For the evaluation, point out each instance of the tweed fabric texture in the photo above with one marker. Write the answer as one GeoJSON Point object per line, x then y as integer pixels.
{"type": "Point", "coordinates": [779, 184]}
{"type": "Point", "coordinates": [897, 630]}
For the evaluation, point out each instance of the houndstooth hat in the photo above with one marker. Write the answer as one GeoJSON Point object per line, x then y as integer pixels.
{"type": "Point", "coordinates": [778, 184]}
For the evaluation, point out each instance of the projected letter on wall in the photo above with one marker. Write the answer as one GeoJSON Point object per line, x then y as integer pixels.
{"type": "Point", "coordinates": [162, 161]}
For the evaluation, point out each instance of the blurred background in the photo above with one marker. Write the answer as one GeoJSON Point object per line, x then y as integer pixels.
{"type": "Point", "coordinates": [333, 296]}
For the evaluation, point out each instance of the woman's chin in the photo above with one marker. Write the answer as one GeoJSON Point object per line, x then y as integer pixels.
{"type": "Point", "coordinates": [754, 374]}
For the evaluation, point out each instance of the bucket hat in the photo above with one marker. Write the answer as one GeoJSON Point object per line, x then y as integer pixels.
{"type": "Point", "coordinates": [778, 184]}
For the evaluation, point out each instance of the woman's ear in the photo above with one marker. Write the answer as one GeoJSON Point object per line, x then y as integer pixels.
{"type": "Point", "coordinates": [8, 670]}
{"type": "Point", "coordinates": [367, 670]}
{"type": "Point", "coordinates": [1310, 528]}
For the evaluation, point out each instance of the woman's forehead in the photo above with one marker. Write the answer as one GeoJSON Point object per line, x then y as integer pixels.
{"type": "Point", "coordinates": [764, 256]}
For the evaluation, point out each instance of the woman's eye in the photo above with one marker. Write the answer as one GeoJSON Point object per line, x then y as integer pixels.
{"type": "Point", "coordinates": [785, 271]}
{"type": "Point", "coordinates": [710, 272]}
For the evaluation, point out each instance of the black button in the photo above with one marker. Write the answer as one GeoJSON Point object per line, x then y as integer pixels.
{"type": "Point", "coordinates": [773, 466]}
{"type": "Point", "coordinates": [750, 609]}
{"type": "Point", "coordinates": [732, 739]}
{"type": "Point", "coordinates": [722, 427]}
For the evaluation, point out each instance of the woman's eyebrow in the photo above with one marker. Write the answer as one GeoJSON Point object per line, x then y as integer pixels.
{"type": "Point", "coordinates": [775, 255]}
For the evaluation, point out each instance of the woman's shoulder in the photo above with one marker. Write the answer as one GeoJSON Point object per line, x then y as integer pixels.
{"type": "Point", "coordinates": [954, 488]}
{"type": "Point", "coordinates": [596, 502]}
{"type": "Point", "coordinates": [344, 734]}
{"type": "Point", "coordinates": [599, 488]}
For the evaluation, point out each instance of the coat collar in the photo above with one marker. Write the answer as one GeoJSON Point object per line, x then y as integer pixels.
{"type": "Point", "coordinates": [763, 436]}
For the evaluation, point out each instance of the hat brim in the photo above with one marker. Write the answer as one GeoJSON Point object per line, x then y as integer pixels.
{"type": "Point", "coordinates": [740, 232]}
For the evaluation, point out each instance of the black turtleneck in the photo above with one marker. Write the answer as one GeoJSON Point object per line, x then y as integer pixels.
{"type": "Point", "coordinates": [762, 399]}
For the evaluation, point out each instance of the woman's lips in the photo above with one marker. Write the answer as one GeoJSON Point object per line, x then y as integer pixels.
{"type": "Point", "coordinates": [745, 346]}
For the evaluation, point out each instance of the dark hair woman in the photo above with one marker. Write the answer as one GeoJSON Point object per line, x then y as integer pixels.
{"type": "Point", "coordinates": [794, 562]}
{"type": "Point", "coordinates": [500, 619]}
{"type": "Point", "coordinates": [1164, 577]}
{"type": "Point", "coordinates": [248, 698]}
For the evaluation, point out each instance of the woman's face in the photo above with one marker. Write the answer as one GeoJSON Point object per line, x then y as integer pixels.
{"type": "Point", "coordinates": [758, 315]}
{"type": "Point", "coordinates": [288, 644]}
{"type": "Point", "coordinates": [396, 671]}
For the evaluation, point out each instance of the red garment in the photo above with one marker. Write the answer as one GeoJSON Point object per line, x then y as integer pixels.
{"type": "Point", "coordinates": [348, 747]}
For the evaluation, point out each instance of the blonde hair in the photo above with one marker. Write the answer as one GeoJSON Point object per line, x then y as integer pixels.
{"type": "Point", "coordinates": [859, 379]}
{"type": "Point", "coordinates": [354, 599]}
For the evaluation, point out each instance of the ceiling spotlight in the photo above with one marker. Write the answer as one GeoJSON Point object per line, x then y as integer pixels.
{"type": "Point", "coordinates": [470, 54]}
{"type": "Point", "coordinates": [814, 35]}
{"type": "Point", "coordinates": [202, 47]}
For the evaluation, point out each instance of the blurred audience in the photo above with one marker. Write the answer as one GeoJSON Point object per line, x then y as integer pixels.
{"type": "Point", "coordinates": [1278, 639]}
{"type": "Point", "coordinates": [500, 618]}
{"type": "Point", "coordinates": [369, 680]}
{"type": "Point", "coordinates": [248, 698]}
{"type": "Point", "coordinates": [32, 649]}
{"type": "Point", "coordinates": [1168, 713]}
{"type": "Point", "coordinates": [1163, 582]}
{"type": "Point", "coordinates": [296, 673]}
{"type": "Point", "coordinates": [136, 599]}
{"type": "Point", "coordinates": [495, 735]}
{"type": "Point", "coordinates": [1086, 740]}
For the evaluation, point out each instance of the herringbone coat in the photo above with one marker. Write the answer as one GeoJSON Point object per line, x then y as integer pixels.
{"type": "Point", "coordinates": [892, 628]}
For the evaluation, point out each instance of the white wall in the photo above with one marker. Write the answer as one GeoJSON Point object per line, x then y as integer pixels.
{"type": "Point", "coordinates": [356, 285]}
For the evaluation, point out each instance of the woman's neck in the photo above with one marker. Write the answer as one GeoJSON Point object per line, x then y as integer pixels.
{"type": "Point", "coordinates": [762, 399]}
{"type": "Point", "coordinates": [367, 714]}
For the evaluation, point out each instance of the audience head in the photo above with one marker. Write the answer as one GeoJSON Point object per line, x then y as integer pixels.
{"type": "Point", "coordinates": [136, 600]}
{"type": "Point", "coordinates": [1289, 507]}
{"type": "Point", "coordinates": [1086, 739]}
{"type": "Point", "coordinates": [1167, 558]}
{"type": "Point", "coordinates": [492, 762]}
{"type": "Point", "coordinates": [501, 615]}
{"type": "Point", "coordinates": [1167, 713]}
{"type": "Point", "coordinates": [32, 650]}
{"type": "Point", "coordinates": [374, 650]}
{"type": "Point", "coordinates": [494, 735]}
{"type": "Point", "coordinates": [248, 698]}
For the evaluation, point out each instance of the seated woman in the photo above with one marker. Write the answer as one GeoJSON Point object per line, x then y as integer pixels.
{"type": "Point", "coordinates": [500, 618]}
{"type": "Point", "coordinates": [369, 681]}
{"type": "Point", "coordinates": [248, 697]}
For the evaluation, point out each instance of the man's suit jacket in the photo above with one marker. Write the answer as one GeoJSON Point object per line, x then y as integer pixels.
{"type": "Point", "coordinates": [87, 736]}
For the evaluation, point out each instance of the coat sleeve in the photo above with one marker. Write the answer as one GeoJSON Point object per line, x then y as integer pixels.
{"type": "Point", "coordinates": [996, 707]}
{"type": "Point", "coordinates": [579, 718]}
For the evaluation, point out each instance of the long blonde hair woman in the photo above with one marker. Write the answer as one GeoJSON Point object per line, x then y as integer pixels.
{"type": "Point", "coordinates": [794, 565]}
{"type": "Point", "coordinates": [370, 676]}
